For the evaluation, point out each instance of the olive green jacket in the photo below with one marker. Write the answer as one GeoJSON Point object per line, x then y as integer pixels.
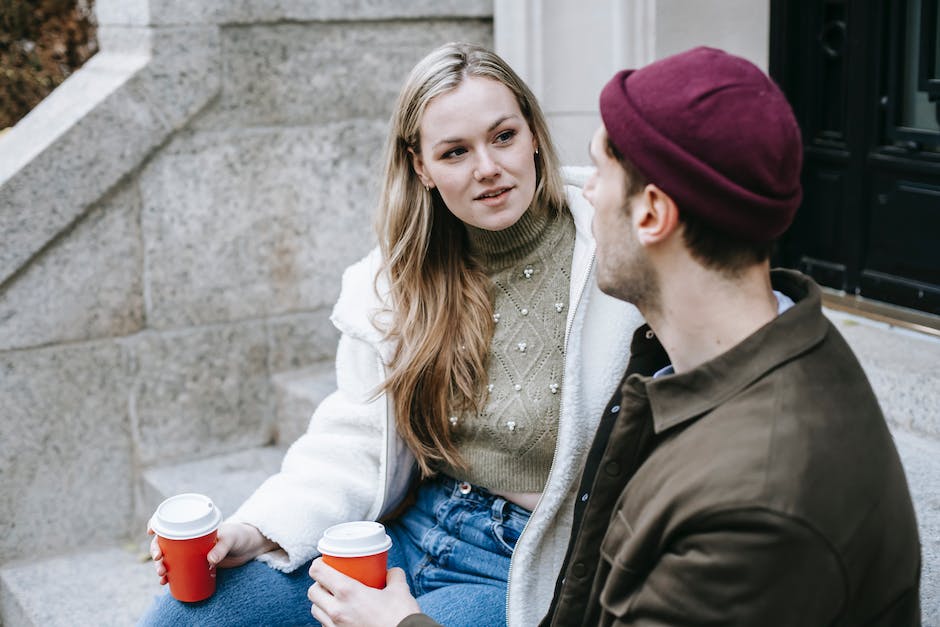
{"type": "Point", "coordinates": [761, 488]}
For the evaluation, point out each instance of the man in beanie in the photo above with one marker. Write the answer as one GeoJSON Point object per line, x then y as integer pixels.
{"type": "Point", "coordinates": [744, 473]}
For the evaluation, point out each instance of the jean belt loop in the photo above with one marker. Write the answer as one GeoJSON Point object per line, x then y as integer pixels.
{"type": "Point", "coordinates": [498, 510]}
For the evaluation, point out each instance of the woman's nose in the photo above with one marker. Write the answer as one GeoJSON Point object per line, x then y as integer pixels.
{"type": "Point", "coordinates": [486, 166]}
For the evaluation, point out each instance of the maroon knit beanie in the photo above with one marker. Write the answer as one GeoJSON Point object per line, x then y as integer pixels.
{"type": "Point", "coordinates": [716, 134]}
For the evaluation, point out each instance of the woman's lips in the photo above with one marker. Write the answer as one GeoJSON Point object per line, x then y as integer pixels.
{"type": "Point", "coordinates": [494, 197]}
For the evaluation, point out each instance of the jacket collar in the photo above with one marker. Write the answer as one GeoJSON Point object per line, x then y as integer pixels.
{"type": "Point", "coordinates": [675, 399]}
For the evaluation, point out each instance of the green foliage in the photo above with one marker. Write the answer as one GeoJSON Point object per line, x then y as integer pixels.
{"type": "Point", "coordinates": [41, 43]}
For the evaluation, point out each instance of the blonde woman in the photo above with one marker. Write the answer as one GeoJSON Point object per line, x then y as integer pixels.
{"type": "Point", "coordinates": [475, 358]}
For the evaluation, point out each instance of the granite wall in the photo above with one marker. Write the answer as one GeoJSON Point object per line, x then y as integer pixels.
{"type": "Point", "coordinates": [175, 220]}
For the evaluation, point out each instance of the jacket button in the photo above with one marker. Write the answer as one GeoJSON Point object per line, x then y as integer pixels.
{"type": "Point", "coordinates": [579, 570]}
{"type": "Point", "coordinates": [612, 468]}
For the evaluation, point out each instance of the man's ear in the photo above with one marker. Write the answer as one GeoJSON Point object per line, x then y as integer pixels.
{"type": "Point", "coordinates": [655, 216]}
{"type": "Point", "coordinates": [417, 163]}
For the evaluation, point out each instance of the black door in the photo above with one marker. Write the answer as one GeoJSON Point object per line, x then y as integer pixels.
{"type": "Point", "coordinates": [864, 79]}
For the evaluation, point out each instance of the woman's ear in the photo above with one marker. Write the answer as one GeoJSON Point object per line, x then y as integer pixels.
{"type": "Point", "coordinates": [656, 216]}
{"type": "Point", "coordinates": [417, 163]}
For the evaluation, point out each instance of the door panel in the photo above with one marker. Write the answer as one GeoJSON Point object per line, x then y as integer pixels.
{"type": "Point", "coordinates": [864, 80]}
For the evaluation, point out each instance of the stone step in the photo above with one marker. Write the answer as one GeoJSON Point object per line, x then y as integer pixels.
{"type": "Point", "coordinates": [227, 479]}
{"type": "Point", "coordinates": [104, 587]}
{"type": "Point", "coordinates": [902, 368]}
{"type": "Point", "coordinates": [298, 392]}
{"type": "Point", "coordinates": [58, 591]}
{"type": "Point", "coordinates": [113, 586]}
{"type": "Point", "coordinates": [921, 458]}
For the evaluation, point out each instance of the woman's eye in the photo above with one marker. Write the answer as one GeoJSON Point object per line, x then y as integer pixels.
{"type": "Point", "coordinates": [454, 152]}
{"type": "Point", "coordinates": [505, 136]}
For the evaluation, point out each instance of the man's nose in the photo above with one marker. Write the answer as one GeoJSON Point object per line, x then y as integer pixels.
{"type": "Point", "coordinates": [589, 188]}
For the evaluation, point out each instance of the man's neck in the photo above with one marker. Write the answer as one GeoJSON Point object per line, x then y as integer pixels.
{"type": "Point", "coordinates": [702, 314]}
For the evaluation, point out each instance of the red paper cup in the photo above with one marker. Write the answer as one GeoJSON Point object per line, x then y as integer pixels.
{"type": "Point", "coordinates": [357, 549]}
{"type": "Point", "coordinates": [186, 526]}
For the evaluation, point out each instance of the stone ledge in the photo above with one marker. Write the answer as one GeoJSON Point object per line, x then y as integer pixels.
{"type": "Point", "coordinates": [298, 393]}
{"type": "Point", "coordinates": [921, 459]}
{"type": "Point", "coordinates": [227, 479]}
{"type": "Point", "coordinates": [902, 368]}
{"type": "Point", "coordinates": [175, 12]}
{"type": "Point", "coordinates": [121, 104]}
{"type": "Point", "coordinates": [55, 300]}
{"type": "Point", "coordinates": [103, 588]}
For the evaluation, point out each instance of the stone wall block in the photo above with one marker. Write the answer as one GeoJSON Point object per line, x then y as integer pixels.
{"type": "Point", "coordinates": [258, 222]}
{"type": "Point", "coordinates": [314, 73]}
{"type": "Point", "coordinates": [65, 155]}
{"type": "Point", "coordinates": [185, 75]}
{"type": "Point", "coordinates": [123, 12]}
{"type": "Point", "coordinates": [299, 340]}
{"type": "Point", "coordinates": [86, 285]}
{"type": "Point", "coordinates": [201, 391]}
{"type": "Point", "coordinates": [98, 125]}
{"type": "Point", "coordinates": [242, 11]}
{"type": "Point", "coordinates": [65, 449]}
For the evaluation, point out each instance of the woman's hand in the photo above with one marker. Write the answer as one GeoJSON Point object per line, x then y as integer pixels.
{"type": "Point", "coordinates": [339, 600]}
{"type": "Point", "coordinates": [237, 544]}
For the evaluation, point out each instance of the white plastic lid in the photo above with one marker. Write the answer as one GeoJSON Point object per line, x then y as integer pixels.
{"type": "Point", "coordinates": [354, 539]}
{"type": "Point", "coordinates": [185, 516]}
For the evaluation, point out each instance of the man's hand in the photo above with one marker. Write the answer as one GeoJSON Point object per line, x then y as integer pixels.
{"type": "Point", "coordinates": [339, 600]}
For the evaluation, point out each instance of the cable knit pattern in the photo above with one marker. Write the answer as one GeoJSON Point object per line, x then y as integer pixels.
{"type": "Point", "coordinates": [508, 446]}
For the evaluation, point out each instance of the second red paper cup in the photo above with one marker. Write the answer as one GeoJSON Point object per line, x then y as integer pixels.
{"type": "Point", "coordinates": [186, 526]}
{"type": "Point", "coordinates": [358, 549]}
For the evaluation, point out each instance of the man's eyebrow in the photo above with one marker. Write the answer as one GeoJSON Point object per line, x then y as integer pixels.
{"type": "Point", "coordinates": [457, 140]}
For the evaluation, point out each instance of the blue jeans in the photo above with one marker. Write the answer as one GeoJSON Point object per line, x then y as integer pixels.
{"type": "Point", "coordinates": [454, 548]}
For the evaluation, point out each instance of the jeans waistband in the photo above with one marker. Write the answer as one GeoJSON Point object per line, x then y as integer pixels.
{"type": "Point", "coordinates": [467, 491]}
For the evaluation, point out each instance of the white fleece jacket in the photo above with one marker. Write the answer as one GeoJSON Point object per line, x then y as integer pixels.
{"type": "Point", "coordinates": [351, 465]}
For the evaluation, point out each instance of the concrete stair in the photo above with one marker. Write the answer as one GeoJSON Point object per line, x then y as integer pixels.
{"type": "Point", "coordinates": [921, 458]}
{"type": "Point", "coordinates": [227, 479]}
{"type": "Point", "coordinates": [113, 585]}
{"type": "Point", "coordinates": [102, 587]}
{"type": "Point", "coordinates": [298, 394]}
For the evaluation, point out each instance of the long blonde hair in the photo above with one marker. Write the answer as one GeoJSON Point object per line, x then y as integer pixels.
{"type": "Point", "coordinates": [441, 313]}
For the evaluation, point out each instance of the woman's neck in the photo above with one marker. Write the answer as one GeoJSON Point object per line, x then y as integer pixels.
{"type": "Point", "coordinates": [501, 249]}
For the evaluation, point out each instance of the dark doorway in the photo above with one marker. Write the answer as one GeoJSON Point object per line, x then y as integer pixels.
{"type": "Point", "coordinates": [864, 79]}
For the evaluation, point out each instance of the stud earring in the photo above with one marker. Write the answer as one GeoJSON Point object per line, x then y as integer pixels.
{"type": "Point", "coordinates": [536, 152]}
